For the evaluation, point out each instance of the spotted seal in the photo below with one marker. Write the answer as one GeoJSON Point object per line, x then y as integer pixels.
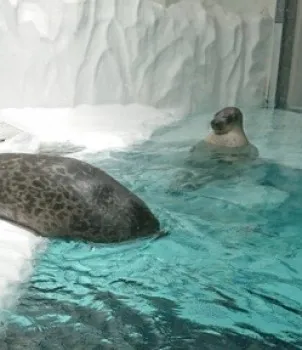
{"type": "Point", "coordinates": [222, 155]}
{"type": "Point", "coordinates": [67, 198]}
{"type": "Point", "coordinates": [227, 141]}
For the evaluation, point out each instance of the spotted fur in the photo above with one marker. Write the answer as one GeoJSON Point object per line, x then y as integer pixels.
{"type": "Point", "coordinates": [64, 197]}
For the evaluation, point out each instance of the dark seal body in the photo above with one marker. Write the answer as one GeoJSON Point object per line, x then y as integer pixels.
{"type": "Point", "coordinates": [64, 197]}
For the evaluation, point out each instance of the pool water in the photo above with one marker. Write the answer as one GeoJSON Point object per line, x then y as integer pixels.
{"type": "Point", "coordinates": [228, 275]}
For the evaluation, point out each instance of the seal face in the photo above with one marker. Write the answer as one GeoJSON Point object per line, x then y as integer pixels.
{"type": "Point", "coordinates": [226, 120]}
{"type": "Point", "coordinates": [64, 197]}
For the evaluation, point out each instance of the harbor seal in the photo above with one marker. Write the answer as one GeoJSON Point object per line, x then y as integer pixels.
{"type": "Point", "coordinates": [222, 155]}
{"type": "Point", "coordinates": [67, 198]}
{"type": "Point", "coordinates": [227, 141]}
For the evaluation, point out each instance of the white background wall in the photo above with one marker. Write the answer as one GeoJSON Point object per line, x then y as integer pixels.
{"type": "Point", "coordinates": [189, 56]}
{"type": "Point", "coordinates": [249, 6]}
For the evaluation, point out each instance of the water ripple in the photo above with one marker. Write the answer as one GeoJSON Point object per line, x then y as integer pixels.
{"type": "Point", "coordinates": [216, 280]}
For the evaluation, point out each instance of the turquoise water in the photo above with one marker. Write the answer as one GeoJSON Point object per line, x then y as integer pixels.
{"type": "Point", "coordinates": [228, 275]}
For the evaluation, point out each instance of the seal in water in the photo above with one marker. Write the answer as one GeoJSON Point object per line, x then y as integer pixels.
{"type": "Point", "coordinates": [220, 156]}
{"type": "Point", "coordinates": [64, 197]}
{"type": "Point", "coordinates": [227, 141]}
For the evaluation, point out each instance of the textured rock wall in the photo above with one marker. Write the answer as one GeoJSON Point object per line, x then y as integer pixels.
{"type": "Point", "coordinates": [188, 56]}
{"type": "Point", "coordinates": [239, 6]}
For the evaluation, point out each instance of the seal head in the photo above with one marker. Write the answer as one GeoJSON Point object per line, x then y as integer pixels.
{"type": "Point", "coordinates": [227, 129]}
{"type": "Point", "coordinates": [226, 120]}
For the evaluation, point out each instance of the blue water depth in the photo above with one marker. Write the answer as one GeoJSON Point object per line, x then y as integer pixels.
{"type": "Point", "coordinates": [228, 275]}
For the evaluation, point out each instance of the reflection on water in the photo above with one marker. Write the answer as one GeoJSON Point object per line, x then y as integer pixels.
{"type": "Point", "coordinates": [228, 275]}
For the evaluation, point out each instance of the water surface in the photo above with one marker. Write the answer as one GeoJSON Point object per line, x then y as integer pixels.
{"type": "Point", "coordinates": [227, 276]}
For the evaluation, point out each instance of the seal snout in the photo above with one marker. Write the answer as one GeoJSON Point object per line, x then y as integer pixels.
{"type": "Point", "coordinates": [149, 224]}
{"type": "Point", "coordinates": [217, 124]}
{"type": "Point", "coordinates": [144, 222]}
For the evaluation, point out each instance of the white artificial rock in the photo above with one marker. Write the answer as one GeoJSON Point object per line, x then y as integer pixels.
{"type": "Point", "coordinates": [187, 56]}
{"type": "Point", "coordinates": [96, 128]}
{"type": "Point", "coordinates": [238, 6]}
